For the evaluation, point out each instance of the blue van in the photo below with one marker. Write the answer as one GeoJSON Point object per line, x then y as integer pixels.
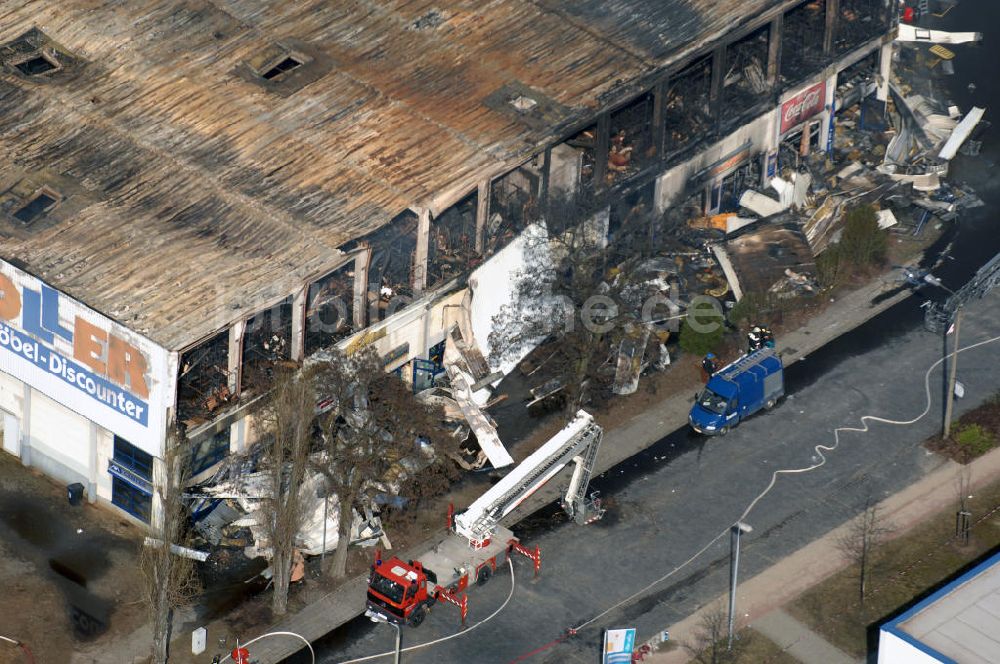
{"type": "Point", "coordinates": [737, 391]}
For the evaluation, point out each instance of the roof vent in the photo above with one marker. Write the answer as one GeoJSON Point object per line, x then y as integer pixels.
{"type": "Point", "coordinates": [36, 64]}
{"type": "Point", "coordinates": [281, 67]}
{"type": "Point", "coordinates": [431, 19]}
{"type": "Point", "coordinates": [36, 206]}
{"type": "Point", "coordinates": [523, 103]}
{"type": "Point", "coordinates": [34, 55]}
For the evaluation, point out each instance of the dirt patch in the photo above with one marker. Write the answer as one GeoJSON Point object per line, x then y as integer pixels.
{"type": "Point", "coordinates": [68, 573]}
{"type": "Point", "coordinates": [964, 443]}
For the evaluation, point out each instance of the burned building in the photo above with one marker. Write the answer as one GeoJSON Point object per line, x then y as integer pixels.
{"type": "Point", "coordinates": [194, 194]}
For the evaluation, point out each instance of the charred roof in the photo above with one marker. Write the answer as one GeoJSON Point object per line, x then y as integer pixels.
{"type": "Point", "coordinates": [211, 155]}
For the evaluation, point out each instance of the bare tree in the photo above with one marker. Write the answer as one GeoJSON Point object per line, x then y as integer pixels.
{"type": "Point", "coordinates": [284, 421]}
{"type": "Point", "coordinates": [577, 293]}
{"type": "Point", "coordinates": [373, 439]}
{"type": "Point", "coordinates": [169, 581]}
{"type": "Point", "coordinates": [963, 489]}
{"type": "Point", "coordinates": [863, 535]}
{"type": "Point", "coordinates": [710, 641]}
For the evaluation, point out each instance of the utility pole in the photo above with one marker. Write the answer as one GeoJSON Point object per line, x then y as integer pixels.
{"type": "Point", "coordinates": [950, 396]}
{"type": "Point", "coordinates": [735, 531]}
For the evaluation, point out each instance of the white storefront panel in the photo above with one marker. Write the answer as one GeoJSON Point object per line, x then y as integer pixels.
{"type": "Point", "coordinates": [60, 435]}
{"type": "Point", "coordinates": [83, 360]}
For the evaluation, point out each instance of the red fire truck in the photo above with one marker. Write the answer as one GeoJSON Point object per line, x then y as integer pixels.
{"type": "Point", "coordinates": [403, 591]}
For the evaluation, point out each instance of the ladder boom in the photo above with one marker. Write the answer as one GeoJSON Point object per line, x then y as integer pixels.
{"type": "Point", "coordinates": [577, 441]}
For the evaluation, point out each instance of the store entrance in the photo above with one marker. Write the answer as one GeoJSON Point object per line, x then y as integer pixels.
{"type": "Point", "coordinates": [132, 479]}
{"type": "Point", "coordinates": [726, 192]}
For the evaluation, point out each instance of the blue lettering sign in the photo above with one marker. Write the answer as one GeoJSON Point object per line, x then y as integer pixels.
{"type": "Point", "coordinates": [96, 387]}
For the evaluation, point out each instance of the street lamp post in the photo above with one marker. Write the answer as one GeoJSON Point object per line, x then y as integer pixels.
{"type": "Point", "coordinates": [950, 396]}
{"type": "Point", "coordinates": [377, 618]}
{"type": "Point", "coordinates": [735, 531]}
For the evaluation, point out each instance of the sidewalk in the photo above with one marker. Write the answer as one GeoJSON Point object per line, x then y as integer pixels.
{"type": "Point", "coordinates": [330, 610]}
{"type": "Point", "coordinates": [790, 577]}
{"type": "Point", "coordinates": [799, 640]}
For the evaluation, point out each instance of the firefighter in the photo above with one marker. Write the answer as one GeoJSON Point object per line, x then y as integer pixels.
{"type": "Point", "coordinates": [766, 336]}
{"type": "Point", "coordinates": [755, 338]}
{"type": "Point", "coordinates": [708, 366]}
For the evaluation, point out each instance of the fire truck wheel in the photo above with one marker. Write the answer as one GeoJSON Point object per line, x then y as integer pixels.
{"type": "Point", "coordinates": [417, 616]}
{"type": "Point", "coordinates": [484, 575]}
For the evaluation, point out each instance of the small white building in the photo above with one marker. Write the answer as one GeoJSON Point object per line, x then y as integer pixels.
{"type": "Point", "coordinates": [960, 623]}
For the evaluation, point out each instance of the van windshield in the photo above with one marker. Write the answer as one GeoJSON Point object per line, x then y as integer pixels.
{"type": "Point", "coordinates": [387, 587]}
{"type": "Point", "coordinates": [712, 402]}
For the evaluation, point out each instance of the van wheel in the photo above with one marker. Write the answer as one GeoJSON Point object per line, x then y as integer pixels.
{"type": "Point", "coordinates": [484, 575]}
{"type": "Point", "coordinates": [417, 616]}
{"type": "Point", "coordinates": [769, 404]}
{"type": "Point", "coordinates": [723, 431]}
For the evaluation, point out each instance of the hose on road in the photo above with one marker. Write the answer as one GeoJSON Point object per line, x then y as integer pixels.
{"type": "Point", "coordinates": [820, 452]}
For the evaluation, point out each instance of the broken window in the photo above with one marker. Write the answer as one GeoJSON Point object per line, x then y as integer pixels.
{"type": "Point", "coordinates": [203, 380]}
{"type": "Point", "coordinates": [631, 223]}
{"type": "Point", "coordinates": [209, 451]}
{"type": "Point", "coordinates": [36, 206]}
{"type": "Point", "coordinates": [631, 147]}
{"type": "Point", "coordinates": [390, 269]}
{"type": "Point", "coordinates": [585, 142]}
{"type": "Point", "coordinates": [687, 109]}
{"type": "Point", "coordinates": [802, 34]}
{"type": "Point", "coordinates": [745, 88]}
{"type": "Point", "coordinates": [267, 342]}
{"type": "Point", "coordinates": [860, 21]}
{"type": "Point", "coordinates": [451, 249]}
{"type": "Point", "coordinates": [330, 309]}
{"type": "Point", "coordinates": [513, 207]}
{"type": "Point", "coordinates": [857, 81]}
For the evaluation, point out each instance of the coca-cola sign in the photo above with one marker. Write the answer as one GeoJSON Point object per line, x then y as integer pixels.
{"type": "Point", "coordinates": [803, 106]}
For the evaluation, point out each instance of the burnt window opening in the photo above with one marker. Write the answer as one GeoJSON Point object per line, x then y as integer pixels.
{"type": "Point", "coordinates": [860, 21]}
{"type": "Point", "coordinates": [802, 33]}
{"type": "Point", "coordinates": [632, 224]}
{"type": "Point", "coordinates": [203, 380]}
{"type": "Point", "coordinates": [687, 107]}
{"type": "Point", "coordinates": [40, 204]}
{"type": "Point", "coordinates": [281, 67]}
{"type": "Point", "coordinates": [585, 142]}
{"type": "Point", "coordinates": [267, 343]}
{"type": "Point", "coordinates": [451, 248]}
{"type": "Point", "coordinates": [745, 87]}
{"type": "Point", "coordinates": [631, 146]}
{"type": "Point", "coordinates": [391, 267]}
{"type": "Point", "coordinates": [330, 309]}
{"type": "Point", "coordinates": [37, 64]}
{"type": "Point", "coordinates": [857, 81]}
{"type": "Point", "coordinates": [513, 207]}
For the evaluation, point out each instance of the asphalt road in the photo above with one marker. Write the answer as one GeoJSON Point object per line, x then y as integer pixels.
{"type": "Point", "coordinates": [664, 509]}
